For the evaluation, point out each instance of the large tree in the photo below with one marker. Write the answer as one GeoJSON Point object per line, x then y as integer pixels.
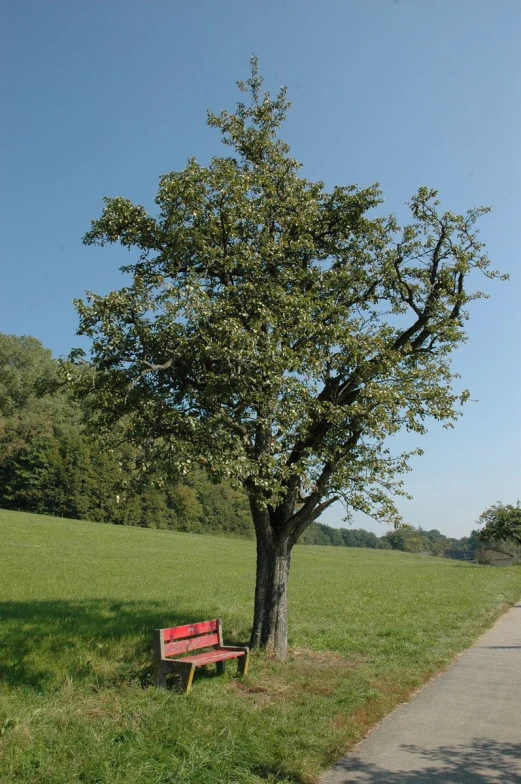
{"type": "Point", "coordinates": [277, 333]}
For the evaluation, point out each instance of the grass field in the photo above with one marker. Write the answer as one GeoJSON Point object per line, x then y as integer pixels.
{"type": "Point", "coordinates": [78, 602]}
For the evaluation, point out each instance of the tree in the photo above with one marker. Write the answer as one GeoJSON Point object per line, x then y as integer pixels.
{"type": "Point", "coordinates": [473, 542]}
{"type": "Point", "coordinates": [502, 522]}
{"type": "Point", "coordinates": [315, 535]}
{"type": "Point", "coordinates": [34, 415]}
{"type": "Point", "coordinates": [277, 333]}
{"type": "Point", "coordinates": [27, 372]}
{"type": "Point", "coordinates": [29, 405]}
{"type": "Point", "coordinates": [358, 537]}
{"type": "Point", "coordinates": [409, 540]}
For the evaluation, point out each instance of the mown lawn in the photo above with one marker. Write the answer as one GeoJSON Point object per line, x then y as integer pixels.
{"type": "Point", "coordinates": [78, 602]}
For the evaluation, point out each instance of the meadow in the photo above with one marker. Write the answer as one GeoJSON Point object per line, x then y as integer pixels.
{"type": "Point", "coordinates": [79, 601]}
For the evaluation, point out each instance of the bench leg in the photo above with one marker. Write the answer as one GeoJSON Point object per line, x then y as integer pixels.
{"type": "Point", "coordinates": [185, 672]}
{"type": "Point", "coordinates": [187, 676]}
{"type": "Point", "coordinates": [160, 671]}
{"type": "Point", "coordinates": [243, 663]}
{"type": "Point", "coordinates": [221, 667]}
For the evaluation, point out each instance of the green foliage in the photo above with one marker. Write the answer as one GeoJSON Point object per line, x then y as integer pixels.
{"type": "Point", "coordinates": [27, 373]}
{"type": "Point", "coordinates": [502, 522]}
{"type": "Point", "coordinates": [407, 539]}
{"type": "Point", "coordinates": [320, 534]}
{"type": "Point", "coordinates": [474, 540]}
{"type": "Point", "coordinates": [31, 406]}
{"type": "Point", "coordinates": [78, 605]}
{"type": "Point", "coordinates": [50, 464]}
{"type": "Point", "coordinates": [225, 508]}
{"type": "Point", "coordinates": [357, 537]}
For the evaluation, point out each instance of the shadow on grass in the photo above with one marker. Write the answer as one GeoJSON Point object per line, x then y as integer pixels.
{"type": "Point", "coordinates": [481, 761]}
{"type": "Point", "coordinates": [43, 643]}
{"type": "Point", "coordinates": [278, 774]}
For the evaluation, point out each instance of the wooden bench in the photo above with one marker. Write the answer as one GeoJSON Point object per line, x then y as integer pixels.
{"type": "Point", "coordinates": [192, 637]}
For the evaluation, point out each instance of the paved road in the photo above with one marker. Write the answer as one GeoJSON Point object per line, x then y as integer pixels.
{"type": "Point", "coordinates": [464, 727]}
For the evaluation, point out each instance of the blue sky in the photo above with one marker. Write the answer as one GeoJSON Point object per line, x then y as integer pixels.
{"type": "Point", "coordinates": [100, 97]}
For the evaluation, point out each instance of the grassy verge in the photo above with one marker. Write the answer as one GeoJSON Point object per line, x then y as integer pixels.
{"type": "Point", "coordinates": [78, 602]}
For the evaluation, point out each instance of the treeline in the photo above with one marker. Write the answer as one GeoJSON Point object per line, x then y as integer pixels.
{"type": "Point", "coordinates": [321, 534]}
{"type": "Point", "coordinates": [52, 463]}
{"type": "Point", "coordinates": [409, 540]}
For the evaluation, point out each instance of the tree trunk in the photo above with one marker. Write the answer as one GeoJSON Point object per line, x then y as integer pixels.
{"type": "Point", "coordinates": [270, 621]}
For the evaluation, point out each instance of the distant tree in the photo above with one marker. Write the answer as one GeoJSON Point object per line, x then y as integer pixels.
{"type": "Point", "coordinates": [434, 541]}
{"type": "Point", "coordinates": [27, 372]}
{"type": "Point", "coordinates": [29, 404]}
{"type": "Point", "coordinates": [280, 332]}
{"type": "Point", "coordinates": [35, 416]}
{"type": "Point", "coordinates": [353, 537]}
{"type": "Point", "coordinates": [223, 509]}
{"type": "Point", "coordinates": [358, 537]}
{"type": "Point", "coordinates": [373, 541]}
{"type": "Point", "coordinates": [474, 541]}
{"type": "Point", "coordinates": [502, 522]}
{"type": "Point", "coordinates": [434, 535]}
{"type": "Point", "coordinates": [409, 540]}
{"type": "Point", "coordinates": [315, 535]}
{"type": "Point", "coordinates": [333, 535]}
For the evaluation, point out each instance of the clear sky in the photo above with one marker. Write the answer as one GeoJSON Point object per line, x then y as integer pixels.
{"type": "Point", "coordinates": [100, 97]}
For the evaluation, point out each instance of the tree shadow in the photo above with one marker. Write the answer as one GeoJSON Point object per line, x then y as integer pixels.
{"type": "Point", "coordinates": [273, 773]}
{"type": "Point", "coordinates": [481, 761]}
{"type": "Point", "coordinates": [43, 643]}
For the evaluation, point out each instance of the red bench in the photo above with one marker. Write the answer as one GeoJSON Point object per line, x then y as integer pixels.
{"type": "Point", "coordinates": [184, 639]}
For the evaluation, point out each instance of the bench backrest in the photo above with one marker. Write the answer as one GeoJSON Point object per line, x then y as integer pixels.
{"type": "Point", "coordinates": [192, 637]}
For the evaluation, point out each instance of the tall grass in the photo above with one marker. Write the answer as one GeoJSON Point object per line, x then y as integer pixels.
{"type": "Point", "coordinates": [78, 602]}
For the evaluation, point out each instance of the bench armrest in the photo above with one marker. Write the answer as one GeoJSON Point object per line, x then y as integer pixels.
{"type": "Point", "coordinates": [244, 648]}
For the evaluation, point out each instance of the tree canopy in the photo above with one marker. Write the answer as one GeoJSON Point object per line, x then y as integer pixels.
{"type": "Point", "coordinates": [277, 333]}
{"type": "Point", "coordinates": [501, 522]}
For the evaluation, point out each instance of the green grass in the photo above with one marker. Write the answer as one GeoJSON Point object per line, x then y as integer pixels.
{"type": "Point", "coordinates": [78, 602]}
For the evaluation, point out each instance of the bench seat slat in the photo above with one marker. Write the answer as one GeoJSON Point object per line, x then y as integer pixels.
{"type": "Point", "coordinates": [210, 657]}
{"type": "Point", "coordinates": [191, 644]}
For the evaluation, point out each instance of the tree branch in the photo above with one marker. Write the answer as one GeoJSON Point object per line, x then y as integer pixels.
{"type": "Point", "coordinates": [299, 529]}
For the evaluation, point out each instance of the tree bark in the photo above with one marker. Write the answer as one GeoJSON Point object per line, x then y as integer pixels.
{"type": "Point", "coordinates": [270, 620]}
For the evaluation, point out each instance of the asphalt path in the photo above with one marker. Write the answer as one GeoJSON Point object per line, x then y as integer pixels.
{"type": "Point", "coordinates": [464, 727]}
